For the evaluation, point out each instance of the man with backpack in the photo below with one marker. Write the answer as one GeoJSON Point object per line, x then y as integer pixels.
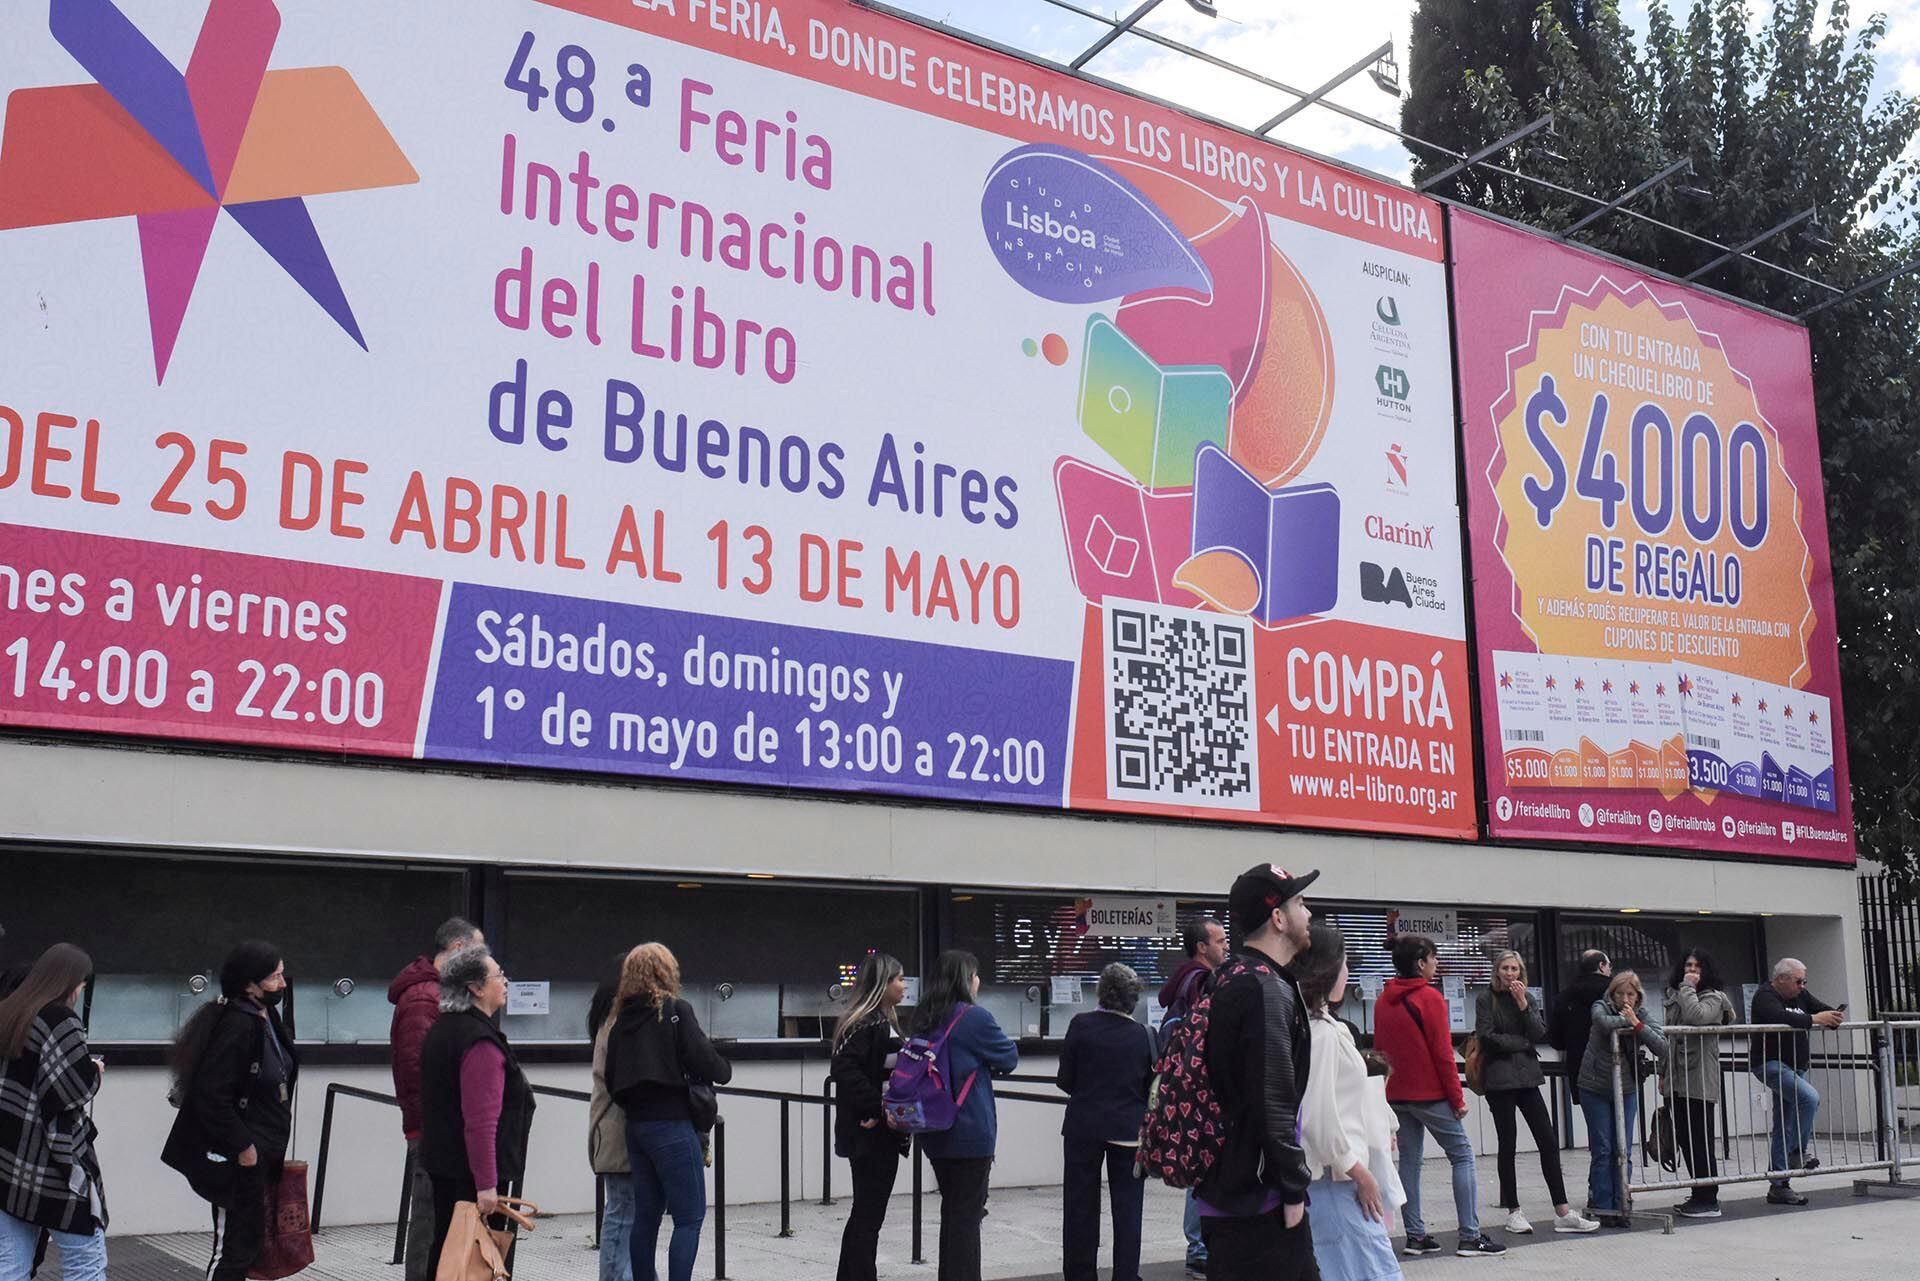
{"type": "Point", "coordinates": [1253, 1198]}
{"type": "Point", "coordinates": [1206, 946]}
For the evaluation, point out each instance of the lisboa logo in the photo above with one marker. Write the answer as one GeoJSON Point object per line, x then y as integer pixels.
{"type": "Point", "coordinates": [173, 150]}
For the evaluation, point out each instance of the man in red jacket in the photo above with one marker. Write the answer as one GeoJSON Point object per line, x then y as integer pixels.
{"type": "Point", "coordinates": [1411, 1027]}
{"type": "Point", "coordinates": [415, 994]}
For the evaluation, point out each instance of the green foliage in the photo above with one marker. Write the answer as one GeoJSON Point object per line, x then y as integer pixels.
{"type": "Point", "coordinates": [1776, 116]}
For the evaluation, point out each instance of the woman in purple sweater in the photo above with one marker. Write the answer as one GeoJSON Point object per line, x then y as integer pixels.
{"type": "Point", "coordinates": [476, 1107]}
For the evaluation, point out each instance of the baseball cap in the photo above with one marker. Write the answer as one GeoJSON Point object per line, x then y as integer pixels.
{"type": "Point", "coordinates": [1260, 889]}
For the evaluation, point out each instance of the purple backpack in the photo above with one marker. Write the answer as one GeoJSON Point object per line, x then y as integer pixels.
{"type": "Point", "coordinates": [919, 1098]}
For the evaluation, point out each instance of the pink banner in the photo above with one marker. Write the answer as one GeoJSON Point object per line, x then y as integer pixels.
{"type": "Point", "coordinates": [1653, 592]}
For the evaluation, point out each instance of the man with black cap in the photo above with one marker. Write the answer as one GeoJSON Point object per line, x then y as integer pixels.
{"type": "Point", "coordinates": [1253, 1202]}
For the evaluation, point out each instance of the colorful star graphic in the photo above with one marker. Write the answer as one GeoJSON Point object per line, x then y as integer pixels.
{"type": "Point", "coordinates": [1551, 682]}
{"type": "Point", "coordinates": [1633, 687]}
{"type": "Point", "coordinates": [1813, 718]}
{"type": "Point", "coordinates": [171, 150]}
{"type": "Point", "coordinates": [1660, 690]}
{"type": "Point", "coordinates": [1606, 687]}
{"type": "Point", "coordinates": [1685, 686]}
{"type": "Point", "coordinates": [1506, 681]}
{"type": "Point", "coordinates": [1788, 711]}
{"type": "Point", "coordinates": [1736, 700]}
{"type": "Point", "coordinates": [1579, 684]}
{"type": "Point", "coordinates": [1763, 704]}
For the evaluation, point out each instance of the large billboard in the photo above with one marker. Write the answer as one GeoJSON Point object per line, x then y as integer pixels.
{"type": "Point", "coordinates": [780, 395]}
{"type": "Point", "coordinates": [1652, 590]}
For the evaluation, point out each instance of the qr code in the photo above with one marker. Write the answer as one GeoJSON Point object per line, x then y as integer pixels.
{"type": "Point", "coordinates": [1180, 707]}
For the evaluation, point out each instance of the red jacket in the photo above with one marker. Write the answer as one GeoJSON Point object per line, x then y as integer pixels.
{"type": "Point", "coordinates": [415, 993]}
{"type": "Point", "coordinates": [1423, 1065]}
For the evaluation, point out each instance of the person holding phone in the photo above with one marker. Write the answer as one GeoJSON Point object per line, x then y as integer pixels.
{"type": "Point", "coordinates": [1781, 1059]}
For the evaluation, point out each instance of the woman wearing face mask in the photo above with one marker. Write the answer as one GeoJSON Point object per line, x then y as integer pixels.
{"type": "Point", "coordinates": [49, 1175]}
{"type": "Point", "coordinates": [1348, 1129]}
{"type": "Point", "coordinates": [234, 1071]}
{"type": "Point", "coordinates": [1509, 1024]}
{"type": "Point", "coordinates": [865, 1044]}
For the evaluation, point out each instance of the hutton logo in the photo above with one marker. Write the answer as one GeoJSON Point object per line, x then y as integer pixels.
{"type": "Point", "coordinates": [172, 150]}
{"type": "Point", "coordinates": [1393, 383]}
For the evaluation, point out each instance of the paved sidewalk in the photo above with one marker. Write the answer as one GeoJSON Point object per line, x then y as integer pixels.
{"type": "Point", "coordinates": [1837, 1238]}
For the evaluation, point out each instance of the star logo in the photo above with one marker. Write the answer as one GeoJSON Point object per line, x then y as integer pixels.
{"type": "Point", "coordinates": [1813, 718]}
{"type": "Point", "coordinates": [1763, 705]}
{"type": "Point", "coordinates": [1660, 690]}
{"type": "Point", "coordinates": [1736, 700]}
{"type": "Point", "coordinates": [1685, 686]}
{"type": "Point", "coordinates": [171, 150]}
{"type": "Point", "coordinates": [1606, 687]}
{"type": "Point", "coordinates": [1579, 684]}
{"type": "Point", "coordinates": [1633, 687]}
{"type": "Point", "coordinates": [1551, 682]}
{"type": "Point", "coordinates": [1506, 681]}
{"type": "Point", "coordinates": [1787, 712]}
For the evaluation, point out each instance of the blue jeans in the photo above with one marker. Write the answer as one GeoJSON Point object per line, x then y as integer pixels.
{"type": "Point", "coordinates": [1416, 1121]}
{"type": "Point", "coordinates": [83, 1257]}
{"type": "Point", "coordinates": [1795, 1104]}
{"type": "Point", "coordinates": [1347, 1245]}
{"type": "Point", "coordinates": [669, 1177]}
{"type": "Point", "coordinates": [1603, 1179]}
{"type": "Point", "coordinates": [1196, 1248]}
{"type": "Point", "coordinates": [616, 1228]}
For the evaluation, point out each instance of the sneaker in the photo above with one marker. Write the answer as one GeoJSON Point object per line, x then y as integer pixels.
{"type": "Point", "coordinates": [1478, 1247]}
{"type": "Point", "coordinates": [1419, 1245]}
{"type": "Point", "coordinates": [1197, 1269]}
{"type": "Point", "coordinates": [1783, 1194]}
{"type": "Point", "coordinates": [1574, 1221]}
{"type": "Point", "coordinates": [1517, 1222]}
{"type": "Point", "coordinates": [1693, 1208]}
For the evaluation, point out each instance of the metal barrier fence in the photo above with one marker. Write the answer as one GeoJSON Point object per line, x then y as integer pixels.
{"type": "Point", "coordinates": [1788, 1102]}
{"type": "Point", "coordinates": [786, 1099]}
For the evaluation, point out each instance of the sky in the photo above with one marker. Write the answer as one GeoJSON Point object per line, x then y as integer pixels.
{"type": "Point", "coordinates": [1299, 43]}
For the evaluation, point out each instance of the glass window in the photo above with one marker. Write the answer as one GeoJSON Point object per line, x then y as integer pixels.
{"type": "Point", "coordinates": [1649, 946]}
{"type": "Point", "coordinates": [1466, 961]}
{"type": "Point", "coordinates": [1029, 942]}
{"type": "Point", "coordinates": [758, 959]}
{"type": "Point", "coordinates": [153, 924]}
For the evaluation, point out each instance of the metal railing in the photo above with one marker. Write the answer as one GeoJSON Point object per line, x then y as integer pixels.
{"type": "Point", "coordinates": [1773, 1120]}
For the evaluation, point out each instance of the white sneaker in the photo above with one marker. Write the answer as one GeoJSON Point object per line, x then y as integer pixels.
{"type": "Point", "coordinates": [1574, 1221]}
{"type": "Point", "coordinates": [1517, 1222]}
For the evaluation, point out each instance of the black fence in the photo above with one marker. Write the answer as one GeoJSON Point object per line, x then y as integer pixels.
{"type": "Point", "coordinates": [1890, 932]}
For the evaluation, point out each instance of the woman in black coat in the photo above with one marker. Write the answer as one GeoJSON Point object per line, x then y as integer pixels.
{"type": "Point", "coordinates": [234, 1073]}
{"type": "Point", "coordinates": [1105, 1069]}
{"type": "Point", "coordinates": [1509, 1023]}
{"type": "Point", "coordinates": [865, 1043]}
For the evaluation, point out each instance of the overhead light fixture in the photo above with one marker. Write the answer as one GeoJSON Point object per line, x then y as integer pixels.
{"type": "Point", "coordinates": [1816, 236]}
{"type": "Point", "coordinates": [963, 898]}
{"type": "Point", "coordinates": [1386, 74]}
{"type": "Point", "coordinates": [1204, 7]}
{"type": "Point", "coordinates": [1692, 192]}
{"type": "Point", "coordinates": [759, 876]}
{"type": "Point", "coordinates": [1545, 156]}
{"type": "Point", "coordinates": [1706, 911]}
{"type": "Point", "coordinates": [1629, 911]}
{"type": "Point", "coordinates": [688, 885]}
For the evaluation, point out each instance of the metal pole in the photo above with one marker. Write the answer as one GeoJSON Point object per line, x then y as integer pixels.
{"type": "Point", "coordinates": [599, 1207]}
{"type": "Point", "coordinates": [1622, 1154]}
{"type": "Point", "coordinates": [1493, 148]}
{"type": "Point", "coordinates": [320, 1160]}
{"type": "Point", "coordinates": [1889, 1119]}
{"type": "Point", "coordinates": [406, 1207]}
{"type": "Point", "coordinates": [826, 1142]}
{"type": "Point", "coordinates": [786, 1172]}
{"type": "Point", "coordinates": [1309, 99]}
{"type": "Point", "coordinates": [1758, 240]}
{"type": "Point", "coordinates": [720, 1199]}
{"type": "Point", "coordinates": [1120, 29]}
{"type": "Point", "coordinates": [1628, 197]}
{"type": "Point", "coordinates": [917, 1257]}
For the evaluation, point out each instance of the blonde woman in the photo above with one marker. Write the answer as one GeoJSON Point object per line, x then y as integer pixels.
{"type": "Point", "coordinates": [1509, 1023]}
{"type": "Point", "coordinates": [1622, 1010]}
{"type": "Point", "coordinates": [654, 1053]}
{"type": "Point", "coordinates": [865, 1044]}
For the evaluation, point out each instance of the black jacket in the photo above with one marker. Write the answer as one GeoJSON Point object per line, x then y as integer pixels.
{"type": "Point", "coordinates": [1507, 1037]}
{"type": "Point", "coordinates": [1790, 1048]}
{"type": "Point", "coordinates": [1258, 1047]}
{"type": "Point", "coordinates": [1572, 1021]}
{"type": "Point", "coordinates": [443, 1127]}
{"type": "Point", "coordinates": [652, 1056]}
{"type": "Point", "coordinates": [234, 1102]}
{"type": "Point", "coordinates": [860, 1074]}
{"type": "Point", "coordinates": [1106, 1066]}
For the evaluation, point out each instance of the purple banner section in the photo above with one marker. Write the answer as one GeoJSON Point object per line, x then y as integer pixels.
{"type": "Point", "coordinates": [554, 681]}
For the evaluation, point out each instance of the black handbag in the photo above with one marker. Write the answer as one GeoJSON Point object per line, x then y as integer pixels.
{"type": "Point", "coordinates": [1662, 1146]}
{"type": "Point", "coordinates": [703, 1103]}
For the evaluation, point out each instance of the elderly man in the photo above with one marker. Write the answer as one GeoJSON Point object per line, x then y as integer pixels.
{"type": "Point", "coordinates": [1781, 1059]}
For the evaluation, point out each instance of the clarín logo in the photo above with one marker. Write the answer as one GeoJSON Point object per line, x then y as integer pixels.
{"type": "Point", "coordinates": [171, 150]}
{"type": "Point", "coordinates": [1045, 224]}
{"type": "Point", "coordinates": [1388, 309]}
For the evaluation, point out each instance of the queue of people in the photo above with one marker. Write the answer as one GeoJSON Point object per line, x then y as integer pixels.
{"type": "Point", "coordinates": [1318, 1145]}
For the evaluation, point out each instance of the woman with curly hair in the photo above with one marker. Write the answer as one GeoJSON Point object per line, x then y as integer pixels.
{"type": "Point", "coordinates": [654, 1053]}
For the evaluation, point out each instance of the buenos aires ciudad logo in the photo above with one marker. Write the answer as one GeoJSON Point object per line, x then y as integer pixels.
{"type": "Point", "coordinates": [172, 149]}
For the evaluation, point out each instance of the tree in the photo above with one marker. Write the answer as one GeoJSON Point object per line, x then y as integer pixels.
{"type": "Point", "coordinates": [1774, 119]}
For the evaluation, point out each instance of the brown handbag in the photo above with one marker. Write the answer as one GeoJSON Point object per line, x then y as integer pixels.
{"type": "Point", "coordinates": [475, 1252]}
{"type": "Point", "coordinates": [288, 1247]}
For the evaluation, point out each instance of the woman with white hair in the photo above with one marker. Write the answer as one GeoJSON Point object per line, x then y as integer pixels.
{"type": "Point", "coordinates": [476, 1107]}
{"type": "Point", "coordinates": [1106, 1066]}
